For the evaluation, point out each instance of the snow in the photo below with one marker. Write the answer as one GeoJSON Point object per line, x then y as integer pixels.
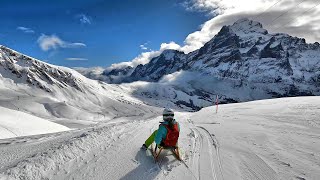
{"type": "Point", "coordinates": [266, 139]}
{"type": "Point", "coordinates": [14, 123]}
{"type": "Point", "coordinates": [60, 94]}
{"type": "Point", "coordinates": [169, 54]}
{"type": "Point", "coordinates": [57, 124]}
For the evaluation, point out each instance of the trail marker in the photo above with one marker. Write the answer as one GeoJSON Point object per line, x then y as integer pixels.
{"type": "Point", "coordinates": [217, 103]}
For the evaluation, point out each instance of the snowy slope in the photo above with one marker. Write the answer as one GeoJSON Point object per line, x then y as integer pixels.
{"type": "Point", "coordinates": [60, 94]}
{"type": "Point", "coordinates": [14, 123]}
{"type": "Point", "coordinates": [267, 139]}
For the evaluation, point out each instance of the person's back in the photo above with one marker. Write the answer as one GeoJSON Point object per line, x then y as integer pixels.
{"type": "Point", "coordinates": [168, 132]}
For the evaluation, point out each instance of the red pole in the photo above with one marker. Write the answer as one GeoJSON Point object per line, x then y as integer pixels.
{"type": "Point", "coordinates": [217, 103]}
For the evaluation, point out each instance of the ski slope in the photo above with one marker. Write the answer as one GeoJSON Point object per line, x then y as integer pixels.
{"type": "Point", "coordinates": [266, 139]}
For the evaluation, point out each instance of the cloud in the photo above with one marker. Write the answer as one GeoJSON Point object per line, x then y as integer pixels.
{"type": "Point", "coordinates": [170, 45]}
{"type": "Point", "coordinates": [76, 59]}
{"type": "Point", "coordinates": [145, 57]}
{"type": "Point", "coordinates": [296, 18]}
{"type": "Point", "coordinates": [84, 19]}
{"type": "Point", "coordinates": [201, 6]}
{"type": "Point", "coordinates": [47, 42]}
{"type": "Point", "coordinates": [74, 45]}
{"type": "Point", "coordinates": [143, 46]}
{"type": "Point", "coordinates": [25, 29]}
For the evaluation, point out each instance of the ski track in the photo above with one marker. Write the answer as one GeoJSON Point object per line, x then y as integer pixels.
{"type": "Point", "coordinates": [80, 151]}
{"type": "Point", "coordinates": [255, 168]}
{"type": "Point", "coordinates": [216, 155]}
{"type": "Point", "coordinates": [88, 155]}
{"type": "Point", "coordinates": [205, 149]}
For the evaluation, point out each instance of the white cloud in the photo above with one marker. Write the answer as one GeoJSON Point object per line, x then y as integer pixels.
{"type": "Point", "coordinates": [76, 59]}
{"type": "Point", "coordinates": [143, 46]}
{"type": "Point", "coordinates": [84, 19]}
{"type": "Point", "coordinates": [47, 42]}
{"type": "Point", "coordinates": [25, 29]}
{"type": "Point", "coordinates": [145, 57]}
{"type": "Point", "coordinates": [201, 6]}
{"type": "Point", "coordinates": [298, 21]}
{"type": "Point", "coordinates": [170, 45]}
{"type": "Point", "coordinates": [75, 45]}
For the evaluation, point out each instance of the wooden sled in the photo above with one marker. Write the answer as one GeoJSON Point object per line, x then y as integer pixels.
{"type": "Point", "coordinates": [173, 149]}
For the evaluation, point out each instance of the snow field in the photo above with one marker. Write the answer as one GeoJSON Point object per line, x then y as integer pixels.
{"type": "Point", "coordinates": [267, 139]}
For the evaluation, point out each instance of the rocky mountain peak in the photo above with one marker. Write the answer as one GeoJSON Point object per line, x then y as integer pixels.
{"type": "Point", "coordinates": [244, 53]}
{"type": "Point", "coordinates": [24, 69]}
{"type": "Point", "coordinates": [248, 26]}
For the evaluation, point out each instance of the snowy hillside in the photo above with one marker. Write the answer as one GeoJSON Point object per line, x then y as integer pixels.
{"type": "Point", "coordinates": [14, 123]}
{"type": "Point", "coordinates": [242, 62]}
{"type": "Point", "coordinates": [58, 94]}
{"type": "Point", "coordinates": [267, 139]}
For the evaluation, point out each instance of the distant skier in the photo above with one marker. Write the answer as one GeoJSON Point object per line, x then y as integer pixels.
{"type": "Point", "coordinates": [167, 134]}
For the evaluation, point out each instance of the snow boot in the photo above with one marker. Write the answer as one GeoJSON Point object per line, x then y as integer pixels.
{"type": "Point", "coordinates": [144, 147]}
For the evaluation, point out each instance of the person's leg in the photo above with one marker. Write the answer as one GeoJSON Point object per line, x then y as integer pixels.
{"type": "Point", "coordinates": [150, 140]}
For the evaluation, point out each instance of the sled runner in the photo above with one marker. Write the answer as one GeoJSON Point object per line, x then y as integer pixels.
{"type": "Point", "coordinates": [156, 153]}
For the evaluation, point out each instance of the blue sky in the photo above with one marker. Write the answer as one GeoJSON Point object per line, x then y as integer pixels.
{"type": "Point", "coordinates": [90, 33]}
{"type": "Point", "coordinates": [94, 32]}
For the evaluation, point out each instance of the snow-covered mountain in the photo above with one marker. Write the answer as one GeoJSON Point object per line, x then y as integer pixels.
{"type": "Point", "coordinates": [242, 62]}
{"type": "Point", "coordinates": [42, 91]}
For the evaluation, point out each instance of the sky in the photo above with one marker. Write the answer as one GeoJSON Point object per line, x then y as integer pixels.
{"type": "Point", "coordinates": [93, 32]}
{"type": "Point", "coordinates": [87, 33]}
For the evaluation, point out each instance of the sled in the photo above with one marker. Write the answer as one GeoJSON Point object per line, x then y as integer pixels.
{"type": "Point", "coordinates": [173, 149]}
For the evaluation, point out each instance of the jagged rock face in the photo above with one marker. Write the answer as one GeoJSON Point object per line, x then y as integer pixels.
{"type": "Point", "coordinates": [246, 52]}
{"type": "Point", "coordinates": [25, 69]}
{"type": "Point", "coordinates": [270, 65]}
{"type": "Point", "coordinates": [119, 71]}
{"type": "Point", "coordinates": [168, 62]}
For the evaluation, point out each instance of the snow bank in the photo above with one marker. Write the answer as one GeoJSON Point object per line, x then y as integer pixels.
{"type": "Point", "coordinates": [15, 123]}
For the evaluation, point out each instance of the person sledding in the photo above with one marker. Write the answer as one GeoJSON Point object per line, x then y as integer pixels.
{"type": "Point", "coordinates": [167, 135]}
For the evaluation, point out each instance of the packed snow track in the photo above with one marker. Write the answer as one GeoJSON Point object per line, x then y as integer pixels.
{"type": "Point", "coordinates": [266, 140]}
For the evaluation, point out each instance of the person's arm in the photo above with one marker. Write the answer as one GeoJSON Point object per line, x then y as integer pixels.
{"type": "Point", "coordinates": [161, 134]}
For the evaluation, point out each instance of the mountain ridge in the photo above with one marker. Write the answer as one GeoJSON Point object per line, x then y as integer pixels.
{"type": "Point", "coordinates": [244, 53]}
{"type": "Point", "coordinates": [255, 42]}
{"type": "Point", "coordinates": [243, 62]}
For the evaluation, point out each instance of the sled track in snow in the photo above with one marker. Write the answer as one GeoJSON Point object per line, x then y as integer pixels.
{"type": "Point", "coordinates": [217, 147]}
{"type": "Point", "coordinates": [201, 167]}
{"type": "Point", "coordinates": [205, 159]}
{"type": "Point", "coordinates": [77, 156]}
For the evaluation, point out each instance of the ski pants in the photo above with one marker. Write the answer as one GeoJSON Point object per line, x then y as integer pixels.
{"type": "Point", "coordinates": [150, 140]}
